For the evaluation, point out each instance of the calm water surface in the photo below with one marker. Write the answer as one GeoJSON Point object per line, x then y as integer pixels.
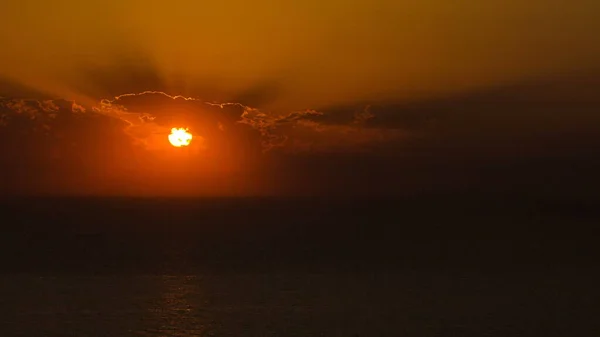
{"type": "Point", "coordinates": [414, 304]}
{"type": "Point", "coordinates": [118, 267]}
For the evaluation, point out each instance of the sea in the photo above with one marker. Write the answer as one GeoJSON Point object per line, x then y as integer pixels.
{"type": "Point", "coordinates": [426, 266]}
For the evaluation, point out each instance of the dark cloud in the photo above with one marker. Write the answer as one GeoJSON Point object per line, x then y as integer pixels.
{"type": "Point", "coordinates": [537, 137]}
{"type": "Point", "coordinates": [294, 131]}
{"type": "Point", "coordinates": [53, 145]}
{"type": "Point", "coordinates": [123, 138]}
{"type": "Point", "coordinates": [533, 99]}
{"type": "Point", "coordinates": [515, 116]}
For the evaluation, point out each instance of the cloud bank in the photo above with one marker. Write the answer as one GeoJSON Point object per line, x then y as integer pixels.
{"type": "Point", "coordinates": [514, 135]}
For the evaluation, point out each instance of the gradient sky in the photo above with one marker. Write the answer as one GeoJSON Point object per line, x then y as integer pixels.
{"type": "Point", "coordinates": [319, 97]}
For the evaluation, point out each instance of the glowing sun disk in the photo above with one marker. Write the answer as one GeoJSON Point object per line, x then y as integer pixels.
{"type": "Point", "coordinates": [180, 137]}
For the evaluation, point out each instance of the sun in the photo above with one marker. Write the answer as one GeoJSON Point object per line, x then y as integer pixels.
{"type": "Point", "coordinates": [180, 137]}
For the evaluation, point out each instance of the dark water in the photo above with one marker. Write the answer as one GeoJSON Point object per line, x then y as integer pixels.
{"type": "Point", "coordinates": [297, 267]}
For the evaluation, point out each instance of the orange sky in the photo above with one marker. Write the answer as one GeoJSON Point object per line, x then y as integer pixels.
{"type": "Point", "coordinates": [319, 96]}
{"type": "Point", "coordinates": [305, 54]}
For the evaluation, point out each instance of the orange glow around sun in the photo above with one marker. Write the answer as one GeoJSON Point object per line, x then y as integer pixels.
{"type": "Point", "coordinates": [180, 137]}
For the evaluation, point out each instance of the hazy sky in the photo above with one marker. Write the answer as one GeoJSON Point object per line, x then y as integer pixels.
{"type": "Point", "coordinates": [390, 81]}
{"type": "Point", "coordinates": [310, 53]}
